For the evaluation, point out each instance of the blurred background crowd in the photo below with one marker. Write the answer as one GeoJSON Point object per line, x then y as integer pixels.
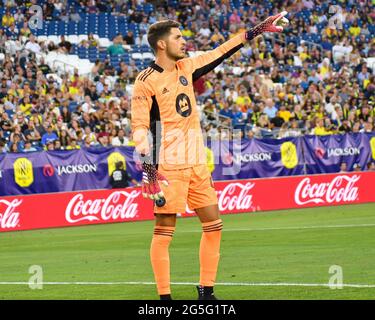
{"type": "Point", "coordinates": [317, 77]}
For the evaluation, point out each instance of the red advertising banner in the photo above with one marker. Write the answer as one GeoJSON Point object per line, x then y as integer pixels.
{"type": "Point", "coordinates": [107, 206]}
{"type": "Point", "coordinates": [73, 209]}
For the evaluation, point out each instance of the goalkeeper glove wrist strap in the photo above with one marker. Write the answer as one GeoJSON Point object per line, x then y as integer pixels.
{"type": "Point", "coordinates": [254, 32]}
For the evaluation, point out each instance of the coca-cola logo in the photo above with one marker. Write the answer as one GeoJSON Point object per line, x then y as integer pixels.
{"type": "Point", "coordinates": [340, 189]}
{"type": "Point", "coordinates": [119, 205]}
{"type": "Point", "coordinates": [9, 217]}
{"type": "Point", "coordinates": [236, 196]}
{"type": "Point", "coordinates": [48, 170]}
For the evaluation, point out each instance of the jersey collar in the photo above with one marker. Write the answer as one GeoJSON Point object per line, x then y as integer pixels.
{"type": "Point", "coordinates": [158, 68]}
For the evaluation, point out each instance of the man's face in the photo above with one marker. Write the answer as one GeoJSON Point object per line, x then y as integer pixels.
{"type": "Point", "coordinates": [175, 45]}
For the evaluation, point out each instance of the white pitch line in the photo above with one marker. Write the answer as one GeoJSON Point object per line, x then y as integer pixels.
{"type": "Point", "coordinates": [291, 228]}
{"type": "Point", "coordinates": [279, 284]}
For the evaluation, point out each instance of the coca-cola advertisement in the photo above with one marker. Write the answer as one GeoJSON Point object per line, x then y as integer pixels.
{"type": "Point", "coordinates": [121, 205]}
{"type": "Point", "coordinates": [294, 192]}
{"type": "Point", "coordinates": [73, 209]}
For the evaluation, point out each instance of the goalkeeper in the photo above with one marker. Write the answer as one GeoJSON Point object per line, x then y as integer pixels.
{"type": "Point", "coordinates": [174, 162]}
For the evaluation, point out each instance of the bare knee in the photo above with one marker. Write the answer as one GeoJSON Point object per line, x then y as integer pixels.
{"type": "Point", "coordinates": [165, 220]}
{"type": "Point", "coordinates": [209, 213]}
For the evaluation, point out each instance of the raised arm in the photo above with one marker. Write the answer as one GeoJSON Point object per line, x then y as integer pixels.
{"type": "Point", "coordinates": [208, 61]}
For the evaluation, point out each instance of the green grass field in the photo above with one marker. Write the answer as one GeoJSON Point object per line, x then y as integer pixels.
{"type": "Point", "coordinates": [271, 248]}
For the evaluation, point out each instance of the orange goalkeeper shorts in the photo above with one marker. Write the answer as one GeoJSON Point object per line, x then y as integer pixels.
{"type": "Point", "coordinates": [192, 186]}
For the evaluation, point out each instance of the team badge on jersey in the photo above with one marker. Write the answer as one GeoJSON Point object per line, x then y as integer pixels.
{"type": "Point", "coordinates": [183, 105]}
{"type": "Point", "coordinates": [183, 81]}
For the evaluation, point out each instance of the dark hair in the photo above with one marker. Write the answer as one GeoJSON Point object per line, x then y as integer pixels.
{"type": "Point", "coordinates": [119, 165]}
{"type": "Point", "coordinates": [159, 30]}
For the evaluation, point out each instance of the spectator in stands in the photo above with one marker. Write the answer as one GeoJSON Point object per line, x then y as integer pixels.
{"type": "Point", "coordinates": [120, 139]}
{"type": "Point", "coordinates": [136, 16]}
{"type": "Point", "coordinates": [74, 15]}
{"type": "Point", "coordinates": [12, 33]}
{"type": "Point", "coordinates": [28, 147]}
{"type": "Point", "coordinates": [18, 139]}
{"type": "Point", "coordinates": [92, 42]}
{"type": "Point", "coordinates": [91, 7]}
{"type": "Point", "coordinates": [48, 9]}
{"type": "Point", "coordinates": [343, 167]}
{"type": "Point", "coordinates": [73, 145]}
{"type": "Point", "coordinates": [50, 146]}
{"type": "Point", "coordinates": [13, 148]}
{"type": "Point", "coordinates": [143, 26]}
{"type": "Point", "coordinates": [19, 17]}
{"type": "Point", "coordinates": [320, 129]}
{"type": "Point", "coordinates": [3, 146]}
{"type": "Point", "coordinates": [64, 45]}
{"type": "Point", "coordinates": [7, 20]}
{"type": "Point", "coordinates": [64, 138]}
{"type": "Point", "coordinates": [25, 30]}
{"type": "Point", "coordinates": [129, 38]}
{"type": "Point", "coordinates": [90, 135]}
{"type": "Point", "coordinates": [5, 122]}
{"type": "Point", "coordinates": [50, 135]}
{"type": "Point", "coordinates": [363, 75]}
{"type": "Point", "coordinates": [216, 37]}
{"type": "Point", "coordinates": [234, 18]}
{"type": "Point", "coordinates": [31, 133]}
{"type": "Point", "coordinates": [357, 167]}
{"type": "Point", "coordinates": [116, 48]}
{"type": "Point", "coordinates": [103, 139]}
{"type": "Point", "coordinates": [270, 110]}
{"type": "Point", "coordinates": [32, 45]}
{"type": "Point", "coordinates": [57, 145]}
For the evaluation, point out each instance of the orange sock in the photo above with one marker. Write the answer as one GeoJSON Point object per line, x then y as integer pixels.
{"type": "Point", "coordinates": [159, 253]}
{"type": "Point", "coordinates": [209, 253]}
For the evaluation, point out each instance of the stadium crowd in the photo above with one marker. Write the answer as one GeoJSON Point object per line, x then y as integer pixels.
{"type": "Point", "coordinates": [275, 87]}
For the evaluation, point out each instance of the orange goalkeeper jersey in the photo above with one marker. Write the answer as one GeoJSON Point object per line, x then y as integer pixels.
{"type": "Point", "coordinates": [164, 102]}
